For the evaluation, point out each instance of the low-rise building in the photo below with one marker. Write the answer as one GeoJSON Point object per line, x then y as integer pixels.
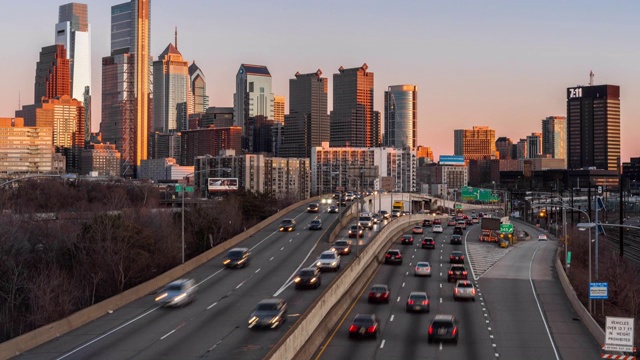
{"type": "Point", "coordinates": [25, 149]}
{"type": "Point", "coordinates": [101, 159]}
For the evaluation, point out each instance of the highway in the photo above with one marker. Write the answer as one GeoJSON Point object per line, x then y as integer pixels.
{"type": "Point", "coordinates": [214, 326]}
{"type": "Point", "coordinates": [520, 311]}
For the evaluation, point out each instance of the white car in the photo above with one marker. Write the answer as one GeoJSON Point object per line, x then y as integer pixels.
{"type": "Point", "coordinates": [437, 228]}
{"type": "Point", "coordinates": [422, 269]}
{"type": "Point", "coordinates": [542, 237]}
{"type": "Point", "coordinates": [328, 260]}
{"type": "Point", "coordinates": [177, 293]}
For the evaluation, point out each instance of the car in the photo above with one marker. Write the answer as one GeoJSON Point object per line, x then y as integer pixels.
{"type": "Point", "coordinates": [464, 289]}
{"type": "Point", "coordinates": [379, 294]}
{"type": "Point", "coordinates": [474, 219]}
{"type": "Point", "coordinates": [418, 301]}
{"type": "Point", "coordinates": [451, 223]}
{"type": "Point", "coordinates": [417, 230]}
{"type": "Point", "coordinates": [456, 257]}
{"type": "Point", "coordinates": [428, 243]}
{"type": "Point", "coordinates": [458, 231]}
{"type": "Point", "coordinates": [308, 278]}
{"type": "Point", "coordinates": [365, 220]}
{"type": "Point", "coordinates": [393, 256]}
{"type": "Point", "coordinates": [480, 215]}
{"type": "Point", "coordinates": [443, 328]}
{"type": "Point", "coordinates": [438, 213]}
{"type": "Point", "coordinates": [343, 201]}
{"type": "Point", "coordinates": [436, 222]}
{"type": "Point", "coordinates": [468, 221]}
{"type": "Point", "coordinates": [423, 268]}
{"type": "Point", "coordinates": [356, 231]}
{"type": "Point", "coordinates": [337, 195]}
{"type": "Point", "coordinates": [313, 208]}
{"type": "Point", "coordinates": [396, 213]}
{"type": "Point", "coordinates": [426, 223]}
{"type": "Point", "coordinates": [365, 325]}
{"type": "Point", "coordinates": [333, 209]}
{"type": "Point", "coordinates": [462, 224]}
{"type": "Point", "coordinates": [542, 237]}
{"type": "Point", "coordinates": [456, 239]}
{"type": "Point", "coordinates": [437, 229]}
{"type": "Point", "coordinates": [269, 313]}
{"type": "Point", "coordinates": [177, 293]}
{"type": "Point", "coordinates": [287, 225]}
{"type": "Point", "coordinates": [377, 218]}
{"type": "Point", "coordinates": [385, 214]}
{"type": "Point", "coordinates": [237, 258]}
{"type": "Point", "coordinates": [315, 224]}
{"type": "Point", "coordinates": [342, 247]}
{"type": "Point", "coordinates": [406, 240]}
{"type": "Point", "coordinates": [457, 272]}
{"type": "Point", "coordinates": [328, 260]}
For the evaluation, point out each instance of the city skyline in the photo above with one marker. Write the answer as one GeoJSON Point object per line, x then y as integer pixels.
{"type": "Point", "coordinates": [504, 63]}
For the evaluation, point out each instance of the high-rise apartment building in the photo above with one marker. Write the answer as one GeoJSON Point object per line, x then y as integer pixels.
{"type": "Point", "coordinates": [593, 127]}
{"type": "Point", "coordinates": [278, 108]}
{"type": "Point", "coordinates": [307, 124]}
{"type": "Point", "coordinates": [24, 149]}
{"type": "Point", "coordinates": [504, 147]}
{"type": "Point", "coordinates": [253, 95]}
{"type": "Point", "coordinates": [126, 84]}
{"type": "Point", "coordinates": [522, 150]}
{"type": "Point", "coordinates": [199, 98]}
{"type": "Point", "coordinates": [210, 141]}
{"type": "Point", "coordinates": [534, 145]}
{"type": "Point", "coordinates": [52, 74]}
{"type": "Point", "coordinates": [554, 137]}
{"type": "Point", "coordinates": [353, 122]}
{"type": "Point", "coordinates": [73, 32]}
{"type": "Point", "coordinates": [475, 144]}
{"type": "Point", "coordinates": [401, 116]}
{"type": "Point", "coordinates": [171, 92]}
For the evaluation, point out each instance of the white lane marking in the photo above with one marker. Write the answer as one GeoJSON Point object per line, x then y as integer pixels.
{"type": "Point", "coordinates": [108, 333]}
{"type": "Point", "coordinates": [440, 345]}
{"type": "Point", "coordinates": [282, 248]}
{"type": "Point", "coordinates": [440, 273]}
{"type": "Point", "coordinates": [440, 300]}
{"type": "Point", "coordinates": [489, 329]}
{"type": "Point", "coordinates": [272, 258]}
{"type": "Point", "coordinates": [290, 240]}
{"type": "Point", "coordinates": [398, 299]}
{"type": "Point", "coordinates": [483, 309]}
{"type": "Point", "coordinates": [440, 286]}
{"type": "Point", "coordinates": [407, 273]}
{"type": "Point", "coordinates": [288, 281]}
{"type": "Point", "coordinates": [491, 336]}
{"type": "Point", "coordinates": [410, 264]}
{"type": "Point", "coordinates": [170, 332]}
{"type": "Point", "coordinates": [257, 271]}
{"type": "Point", "coordinates": [392, 316]}
{"type": "Point", "coordinates": [497, 355]}
{"type": "Point", "coordinates": [210, 276]}
{"type": "Point", "coordinates": [402, 284]}
{"type": "Point", "coordinates": [263, 240]}
{"type": "Point", "coordinates": [242, 283]}
{"type": "Point", "coordinates": [535, 296]}
{"type": "Point", "coordinates": [212, 305]}
{"type": "Point", "coordinates": [382, 344]}
{"type": "Point", "coordinates": [494, 345]}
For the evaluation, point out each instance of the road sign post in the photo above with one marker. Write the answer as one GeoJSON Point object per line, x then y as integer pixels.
{"type": "Point", "coordinates": [599, 291]}
{"type": "Point", "coordinates": [619, 334]}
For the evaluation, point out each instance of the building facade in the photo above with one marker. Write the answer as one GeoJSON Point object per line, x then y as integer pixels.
{"type": "Point", "coordinates": [279, 108]}
{"type": "Point", "coordinates": [165, 145]}
{"type": "Point", "coordinates": [534, 145]}
{"type": "Point", "coordinates": [171, 91]}
{"type": "Point", "coordinates": [401, 116]}
{"type": "Point", "coordinates": [209, 141]}
{"type": "Point", "coordinates": [73, 32]}
{"type": "Point", "coordinates": [53, 78]}
{"type": "Point", "coordinates": [353, 122]}
{"type": "Point", "coordinates": [307, 124]}
{"type": "Point", "coordinates": [477, 143]}
{"type": "Point", "coordinates": [199, 101]}
{"type": "Point", "coordinates": [24, 149]}
{"type": "Point", "coordinates": [253, 95]}
{"type": "Point", "coordinates": [126, 84]}
{"type": "Point", "coordinates": [593, 127]}
{"type": "Point", "coordinates": [504, 147]}
{"type": "Point", "coordinates": [164, 169]}
{"type": "Point", "coordinates": [260, 135]}
{"type": "Point", "coordinates": [102, 159]}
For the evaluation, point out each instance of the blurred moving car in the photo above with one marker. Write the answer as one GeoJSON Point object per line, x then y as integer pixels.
{"type": "Point", "coordinates": [385, 214]}
{"type": "Point", "coordinates": [393, 256]}
{"type": "Point", "coordinates": [542, 237]}
{"type": "Point", "coordinates": [428, 243]}
{"type": "Point", "coordinates": [237, 257]}
{"type": "Point", "coordinates": [377, 218]}
{"type": "Point", "coordinates": [379, 294]}
{"type": "Point", "coordinates": [356, 231]}
{"type": "Point", "coordinates": [287, 225]}
{"type": "Point", "coordinates": [437, 229]}
{"type": "Point", "coordinates": [342, 246]}
{"type": "Point", "coordinates": [451, 223]}
{"type": "Point", "coordinates": [456, 239]}
{"type": "Point", "coordinates": [396, 213]}
{"type": "Point", "coordinates": [418, 301]}
{"type": "Point", "coordinates": [313, 208]}
{"type": "Point", "coordinates": [365, 220]}
{"type": "Point", "coordinates": [456, 257]}
{"type": "Point", "coordinates": [423, 268]}
{"type": "Point", "coordinates": [406, 240]}
{"type": "Point", "coordinates": [462, 224]}
{"type": "Point", "coordinates": [457, 272]}
{"type": "Point", "coordinates": [269, 313]}
{"type": "Point", "coordinates": [308, 278]}
{"type": "Point", "coordinates": [426, 223]}
{"type": "Point", "coordinates": [417, 230]}
{"type": "Point", "coordinates": [328, 260]}
{"type": "Point", "coordinates": [333, 209]}
{"type": "Point", "coordinates": [436, 222]}
{"type": "Point", "coordinates": [177, 293]}
{"type": "Point", "coordinates": [315, 224]}
{"type": "Point", "coordinates": [468, 222]}
{"type": "Point", "coordinates": [464, 289]}
{"type": "Point", "coordinates": [458, 230]}
{"type": "Point", "coordinates": [365, 325]}
{"type": "Point", "coordinates": [443, 328]}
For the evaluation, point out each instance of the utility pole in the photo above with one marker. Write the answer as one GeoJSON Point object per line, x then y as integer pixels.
{"type": "Point", "coordinates": [621, 207]}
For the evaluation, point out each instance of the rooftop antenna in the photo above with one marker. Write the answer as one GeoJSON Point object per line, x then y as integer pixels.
{"type": "Point", "coordinates": [176, 41]}
{"type": "Point", "coordinates": [591, 75]}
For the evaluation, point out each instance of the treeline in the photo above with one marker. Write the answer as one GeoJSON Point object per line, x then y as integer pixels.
{"type": "Point", "coordinates": [52, 268]}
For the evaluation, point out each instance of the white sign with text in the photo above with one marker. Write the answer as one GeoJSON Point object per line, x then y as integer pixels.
{"type": "Point", "coordinates": [619, 334]}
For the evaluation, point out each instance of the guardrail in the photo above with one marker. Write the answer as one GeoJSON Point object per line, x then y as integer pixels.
{"type": "Point", "coordinates": [304, 337]}
{"type": "Point", "coordinates": [51, 331]}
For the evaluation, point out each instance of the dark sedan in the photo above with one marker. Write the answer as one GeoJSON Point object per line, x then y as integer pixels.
{"type": "Point", "coordinates": [364, 325]}
{"type": "Point", "coordinates": [308, 278]}
{"type": "Point", "coordinates": [443, 328]}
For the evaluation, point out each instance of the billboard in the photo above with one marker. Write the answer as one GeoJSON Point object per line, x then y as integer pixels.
{"type": "Point", "coordinates": [222, 184]}
{"type": "Point", "coordinates": [451, 160]}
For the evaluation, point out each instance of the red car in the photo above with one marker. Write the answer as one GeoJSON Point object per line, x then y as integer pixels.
{"type": "Point", "coordinates": [417, 230]}
{"type": "Point", "coordinates": [379, 294]}
{"type": "Point", "coordinates": [437, 222]}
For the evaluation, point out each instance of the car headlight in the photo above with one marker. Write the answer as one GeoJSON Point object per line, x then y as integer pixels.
{"type": "Point", "coordinates": [161, 297]}
{"type": "Point", "coordinates": [313, 280]}
{"type": "Point", "coordinates": [253, 320]}
{"type": "Point", "coordinates": [180, 297]}
{"type": "Point", "coordinates": [226, 262]}
{"type": "Point", "coordinates": [296, 280]}
{"type": "Point", "coordinates": [333, 263]}
{"type": "Point", "coordinates": [319, 263]}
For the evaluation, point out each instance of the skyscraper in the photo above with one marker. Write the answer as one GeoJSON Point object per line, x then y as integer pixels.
{"type": "Point", "coordinates": [593, 127]}
{"type": "Point", "coordinates": [73, 32]}
{"type": "Point", "coordinates": [534, 145]}
{"type": "Point", "coordinates": [52, 74]}
{"type": "Point", "coordinates": [554, 137]}
{"type": "Point", "coordinates": [307, 124]}
{"type": "Point", "coordinates": [475, 144]}
{"type": "Point", "coordinates": [199, 98]}
{"type": "Point", "coordinates": [352, 120]}
{"type": "Point", "coordinates": [278, 108]}
{"type": "Point", "coordinates": [253, 95]}
{"type": "Point", "coordinates": [170, 91]}
{"type": "Point", "coordinates": [504, 147]}
{"type": "Point", "coordinates": [126, 84]}
{"type": "Point", "coordinates": [401, 116]}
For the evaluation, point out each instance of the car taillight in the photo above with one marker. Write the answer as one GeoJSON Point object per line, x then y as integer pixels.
{"type": "Point", "coordinates": [372, 294]}
{"type": "Point", "coordinates": [371, 329]}
{"type": "Point", "coordinates": [430, 330]}
{"type": "Point", "coordinates": [353, 328]}
{"type": "Point", "coordinates": [455, 331]}
{"type": "Point", "coordinates": [464, 273]}
{"type": "Point", "coordinates": [451, 257]}
{"type": "Point", "coordinates": [388, 255]}
{"type": "Point", "coordinates": [450, 272]}
{"type": "Point", "coordinates": [385, 294]}
{"type": "Point", "coordinates": [462, 257]}
{"type": "Point", "coordinates": [398, 256]}
{"type": "Point", "coordinates": [473, 291]}
{"type": "Point", "coordinates": [409, 302]}
{"type": "Point", "coordinates": [425, 302]}
{"type": "Point", "coordinates": [455, 290]}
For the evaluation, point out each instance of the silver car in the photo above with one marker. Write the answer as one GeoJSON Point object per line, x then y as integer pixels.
{"type": "Point", "coordinates": [177, 293]}
{"type": "Point", "coordinates": [464, 289]}
{"type": "Point", "coordinates": [328, 260]}
{"type": "Point", "coordinates": [423, 268]}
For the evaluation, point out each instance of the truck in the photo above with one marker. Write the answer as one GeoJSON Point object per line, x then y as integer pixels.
{"type": "Point", "coordinates": [402, 205]}
{"type": "Point", "coordinates": [489, 227]}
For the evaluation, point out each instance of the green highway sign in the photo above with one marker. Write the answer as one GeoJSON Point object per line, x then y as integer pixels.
{"type": "Point", "coordinates": [189, 189]}
{"type": "Point", "coordinates": [458, 206]}
{"type": "Point", "coordinates": [568, 257]}
{"type": "Point", "coordinates": [485, 195]}
{"type": "Point", "coordinates": [178, 188]}
{"type": "Point", "coordinates": [506, 228]}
